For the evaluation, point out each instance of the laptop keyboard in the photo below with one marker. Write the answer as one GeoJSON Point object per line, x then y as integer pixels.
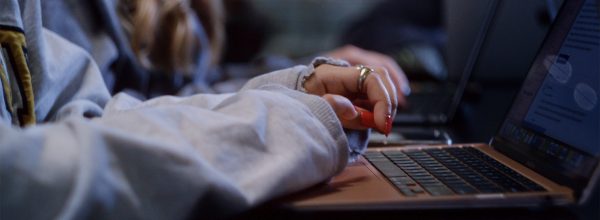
{"type": "Point", "coordinates": [448, 171]}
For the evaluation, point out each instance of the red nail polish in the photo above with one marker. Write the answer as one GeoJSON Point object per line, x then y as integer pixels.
{"type": "Point", "coordinates": [388, 124]}
{"type": "Point", "coordinates": [367, 119]}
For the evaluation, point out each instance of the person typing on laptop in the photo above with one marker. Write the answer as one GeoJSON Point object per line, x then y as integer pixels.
{"type": "Point", "coordinates": [70, 150]}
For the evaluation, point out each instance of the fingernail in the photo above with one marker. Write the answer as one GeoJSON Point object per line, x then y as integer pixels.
{"type": "Point", "coordinates": [406, 89]}
{"type": "Point", "coordinates": [367, 119]}
{"type": "Point", "coordinates": [350, 114]}
{"type": "Point", "coordinates": [388, 124]}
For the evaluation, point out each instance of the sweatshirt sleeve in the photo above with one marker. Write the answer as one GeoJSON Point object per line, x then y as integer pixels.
{"type": "Point", "coordinates": [293, 78]}
{"type": "Point", "coordinates": [165, 158]}
{"type": "Point", "coordinates": [169, 157]}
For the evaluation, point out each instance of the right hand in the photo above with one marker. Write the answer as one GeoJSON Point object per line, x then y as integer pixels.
{"type": "Point", "coordinates": [339, 87]}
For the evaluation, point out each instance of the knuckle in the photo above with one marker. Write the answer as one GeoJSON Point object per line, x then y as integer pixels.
{"type": "Point", "coordinates": [382, 70]}
{"type": "Point", "coordinates": [375, 77]}
{"type": "Point", "coordinates": [351, 49]}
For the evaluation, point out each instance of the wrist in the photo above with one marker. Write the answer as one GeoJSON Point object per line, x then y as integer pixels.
{"type": "Point", "coordinates": [309, 72]}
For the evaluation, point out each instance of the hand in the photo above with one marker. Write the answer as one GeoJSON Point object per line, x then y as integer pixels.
{"type": "Point", "coordinates": [339, 87]}
{"type": "Point", "coordinates": [358, 56]}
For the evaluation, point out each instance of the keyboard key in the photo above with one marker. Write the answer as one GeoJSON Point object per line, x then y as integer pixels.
{"type": "Point", "coordinates": [417, 190]}
{"type": "Point", "coordinates": [403, 180]}
{"type": "Point", "coordinates": [407, 191]}
{"type": "Point", "coordinates": [388, 168]}
{"type": "Point", "coordinates": [439, 191]}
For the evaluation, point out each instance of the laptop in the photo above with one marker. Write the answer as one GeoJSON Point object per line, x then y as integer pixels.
{"type": "Point", "coordinates": [480, 40]}
{"type": "Point", "coordinates": [547, 151]}
{"type": "Point", "coordinates": [436, 102]}
{"type": "Point", "coordinates": [478, 48]}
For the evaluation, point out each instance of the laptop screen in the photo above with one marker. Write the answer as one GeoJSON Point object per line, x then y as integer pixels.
{"type": "Point", "coordinates": [553, 126]}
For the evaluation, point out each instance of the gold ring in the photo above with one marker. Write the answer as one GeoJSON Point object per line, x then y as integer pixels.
{"type": "Point", "coordinates": [364, 73]}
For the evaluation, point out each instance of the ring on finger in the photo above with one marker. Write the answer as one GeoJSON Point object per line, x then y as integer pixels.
{"type": "Point", "coordinates": [364, 73]}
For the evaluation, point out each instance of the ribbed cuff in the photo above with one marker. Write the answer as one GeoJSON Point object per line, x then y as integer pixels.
{"type": "Point", "coordinates": [307, 72]}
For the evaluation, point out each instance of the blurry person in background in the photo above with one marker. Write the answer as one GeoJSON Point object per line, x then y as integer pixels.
{"type": "Point", "coordinates": [271, 34]}
{"type": "Point", "coordinates": [129, 45]}
{"type": "Point", "coordinates": [71, 150]}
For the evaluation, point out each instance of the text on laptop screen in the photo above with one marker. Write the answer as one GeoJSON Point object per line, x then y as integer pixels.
{"type": "Point", "coordinates": [555, 119]}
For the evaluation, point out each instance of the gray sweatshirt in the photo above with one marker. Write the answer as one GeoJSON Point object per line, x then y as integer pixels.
{"type": "Point", "coordinates": [70, 150]}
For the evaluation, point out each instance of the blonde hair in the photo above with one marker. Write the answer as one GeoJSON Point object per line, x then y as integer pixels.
{"type": "Point", "coordinates": [164, 34]}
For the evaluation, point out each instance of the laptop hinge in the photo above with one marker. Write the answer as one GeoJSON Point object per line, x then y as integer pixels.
{"type": "Point", "coordinates": [491, 142]}
{"type": "Point", "coordinates": [588, 191]}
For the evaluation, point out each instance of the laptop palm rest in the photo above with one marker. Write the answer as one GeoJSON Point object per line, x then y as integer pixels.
{"type": "Point", "coordinates": [356, 185]}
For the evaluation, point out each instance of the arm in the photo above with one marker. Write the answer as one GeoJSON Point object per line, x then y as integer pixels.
{"type": "Point", "coordinates": [212, 154]}
{"type": "Point", "coordinates": [166, 157]}
{"type": "Point", "coordinates": [169, 157]}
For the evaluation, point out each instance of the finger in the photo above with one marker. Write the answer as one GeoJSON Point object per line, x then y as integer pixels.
{"type": "Point", "coordinates": [334, 80]}
{"type": "Point", "coordinates": [396, 74]}
{"type": "Point", "coordinates": [402, 87]}
{"type": "Point", "coordinates": [343, 107]}
{"type": "Point", "coordinates": [363, 103]}
{"type": "Point", "coordinates": [377, 93]}
{"type": "Point", "coordinates": [343, 81]}
{"type": "Point", "coordinates": [356, 56]}
{"type": "Point", "coordinates": [367, 119]}
{"type": "Point", "coordinates": [390, 86]}
{"type": "Point", "coordinates": [346, 111]}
